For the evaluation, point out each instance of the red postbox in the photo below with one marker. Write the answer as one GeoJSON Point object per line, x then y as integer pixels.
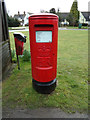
{"type": "Point", "coordinates": [19, 42]}
{"type": "Point", "coordinates": [20, 39]}
{"type": "Point", "coordinates": [43, 30]}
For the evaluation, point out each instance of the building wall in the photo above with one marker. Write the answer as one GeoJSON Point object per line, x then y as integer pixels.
{"type": "Point", "coordinates": [82, 19]}
{"type": "Point", "coordinates": [5, 54]}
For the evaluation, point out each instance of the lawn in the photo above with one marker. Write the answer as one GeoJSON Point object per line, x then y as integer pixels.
{"type": "Point", "coordinates": [71, 93]}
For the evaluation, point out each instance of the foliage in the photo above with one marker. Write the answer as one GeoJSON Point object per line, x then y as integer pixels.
{"type": "Point", "coordinates": [70, 19]}
{"type": "Point", "coordinates": [52, 10]}
{"type": "Point", "coordinates": [74, 13]}
{"type": "Point", "coordinates": [12, 22]}
{"type": "Point", "coordinates": [84, 24]}
{"type": "Point", "coordinates": [26, 55]}
{"type": "Point", "coordinates": [13, 53]}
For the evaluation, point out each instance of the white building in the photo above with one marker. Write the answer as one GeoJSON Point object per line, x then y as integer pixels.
{"type": "Point", "coordinates": [26, 19]}
{"type": "Point", "coordinates": [84, 17]}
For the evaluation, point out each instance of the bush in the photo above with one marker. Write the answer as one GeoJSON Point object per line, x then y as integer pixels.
{"type": "Point", "coordinates": [13, 53]}
{"type": "Point", "coordinates": [12, 22]}
{"type": "Point", "coordinates": [26, 55]}
{"type": "Point", "coordinates": [84, 24]}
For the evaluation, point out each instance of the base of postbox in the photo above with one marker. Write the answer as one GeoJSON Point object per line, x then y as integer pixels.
{"type": "Point", "coordinates": [44, 87]}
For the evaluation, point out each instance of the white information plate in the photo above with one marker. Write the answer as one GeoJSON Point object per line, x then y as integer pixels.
{"type": "Point", "coordinates": [43, 36]}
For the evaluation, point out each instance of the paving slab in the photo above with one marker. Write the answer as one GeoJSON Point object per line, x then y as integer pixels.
{"type": "Point", "coordinates": [40, 113]}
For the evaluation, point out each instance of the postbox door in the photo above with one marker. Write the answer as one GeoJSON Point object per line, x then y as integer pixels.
{"type": "Point", "coordinates": [44, 48]}
{"type": "Point", "coordinates": [44, 56]}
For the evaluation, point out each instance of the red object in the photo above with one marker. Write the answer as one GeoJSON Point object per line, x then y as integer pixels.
{"type": "Point", "coordinates": [43, 45]}
{"type": "Point", "coordinates": [19, 46]}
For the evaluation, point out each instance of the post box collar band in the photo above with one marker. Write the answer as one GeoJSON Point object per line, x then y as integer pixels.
{"type": "Point", "coordinates": [44, 15]}
{"type": "Point", "coordinates": [44, 87]}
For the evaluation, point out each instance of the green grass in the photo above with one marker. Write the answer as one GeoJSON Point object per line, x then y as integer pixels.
{"type": "Point", "coordinates": [16, 28]}
{"type": "Point", "coordinates": [71, 27]}
{"type": "Point", "coordinates": [71, 93]}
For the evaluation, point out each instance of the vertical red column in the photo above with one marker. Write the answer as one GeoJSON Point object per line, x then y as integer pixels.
{"type": "Point", "coordinates": [43, 30]}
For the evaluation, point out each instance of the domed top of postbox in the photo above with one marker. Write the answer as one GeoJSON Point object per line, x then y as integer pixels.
{"type": "Point", "coordinates": [43, 15]}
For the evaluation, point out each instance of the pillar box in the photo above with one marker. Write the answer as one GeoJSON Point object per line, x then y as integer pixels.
{"type": "Point", "coordinates": [43, 31]}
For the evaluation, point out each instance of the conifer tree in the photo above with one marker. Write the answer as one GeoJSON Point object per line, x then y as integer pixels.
{"type": "Point", "coordinates": [75, 13]}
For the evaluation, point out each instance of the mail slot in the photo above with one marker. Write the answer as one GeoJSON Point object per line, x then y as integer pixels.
{"type": "Point", "coordinates": [43, 32]}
